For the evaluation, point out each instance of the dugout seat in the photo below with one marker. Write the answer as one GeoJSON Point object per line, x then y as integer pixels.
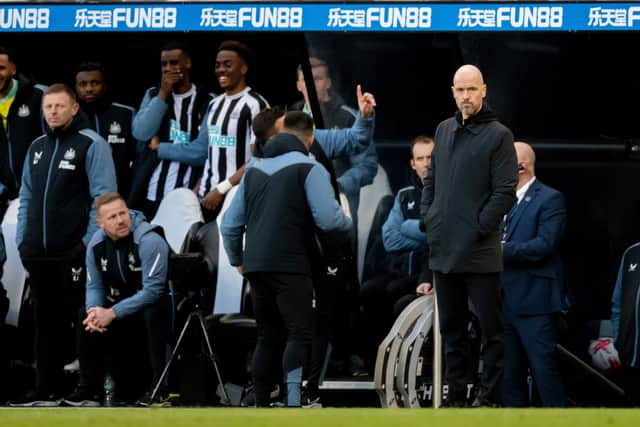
{"type": "Point", "coordinates": [178, 212]}
{"type": "Point", "coordinates": [376, 201]}
{"type": "Point", "coordinates": [14, 275]}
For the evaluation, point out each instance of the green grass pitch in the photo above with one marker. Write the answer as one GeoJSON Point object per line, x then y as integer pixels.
{"type": "Point", "coordinates": [330, 417]}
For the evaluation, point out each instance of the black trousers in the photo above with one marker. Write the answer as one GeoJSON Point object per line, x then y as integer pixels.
{"type": "Point", "coordinates": [4, 205]}
{"type": "Point", "coordinates": [454, 290]}
{"type": "Point", "coordinates": [282, 304]}
{"type": "Point", "coordinates": [57, 291]}
{"type": "Point", "coordinates": [346, 319]}
{"type": "Point", "coordinates": [326, 287]}
{"type": "Point", "coordinates": [133, 349]}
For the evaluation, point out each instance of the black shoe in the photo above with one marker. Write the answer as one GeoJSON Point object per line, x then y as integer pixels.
{"type": "Point", "coordinates": [82, 397]}
{"type": "Point", "coordinates": [161, 400]}
{"type": "Point", "coordinates": [249, 398]}
{"type": "Point", "coordinates": [36, 399]}
{"type": "Point", "coordinates": [357, 366]}
{"type": "Point", "coordinates": [483, 402]}
{"type": "Point", "coordinates": [310, 399]}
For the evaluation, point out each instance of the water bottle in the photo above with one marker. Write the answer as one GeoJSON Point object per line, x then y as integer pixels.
{"type": "Point", "coordinates": [108, 390]}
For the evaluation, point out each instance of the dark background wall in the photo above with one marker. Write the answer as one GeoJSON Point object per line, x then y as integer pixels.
{"type": "Point", "coordinates": [132, 60]}
{"type": "Point", "coordinates": [574, 96]}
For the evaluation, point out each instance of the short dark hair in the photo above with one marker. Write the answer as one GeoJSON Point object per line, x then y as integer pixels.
{"type": "Point", "coordinates": [297, 122]}
{"type": "Point", "coordinates": [107, 198]}
{"type": "Point", "coordinates": [420, 139]}
{"type": "Point", "coordinates": [6, 51]}
{"type": "Point", "coordinates": [60, 88]}
{"type": "Point", "coordinates": [176, 45]}
{"type": "Point", "coordinates": [264, 122]}
{"type": "Point", "coordinates": [240, 48]}
{"type": "Point", "coordinates": [89, 66]}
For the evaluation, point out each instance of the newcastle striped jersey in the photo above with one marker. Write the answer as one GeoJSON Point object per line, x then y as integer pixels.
{"type": "Point", "coordinates": [183, 124]}
{"type": "Point", "coordinates": [230, 135]}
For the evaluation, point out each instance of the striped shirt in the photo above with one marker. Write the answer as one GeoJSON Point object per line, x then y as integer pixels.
{"type": "Point", "coordinates": [170, 175]}
{"type": "Point", "coordinates": [230, 135]}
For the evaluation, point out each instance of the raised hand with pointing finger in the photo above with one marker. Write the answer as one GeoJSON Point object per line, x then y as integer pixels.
{"type": "Point", "coordinates": [366, 102]}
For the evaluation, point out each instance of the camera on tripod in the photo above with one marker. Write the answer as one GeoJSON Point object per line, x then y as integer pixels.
{"type": "Point", "coordinates": [188, 281]}
{"type": "Point", "coordinates": [192, 273]}
{"type": "Point", "coordinates": [192, 276]}
{"type": "Point", "coordinates": [188, 272]}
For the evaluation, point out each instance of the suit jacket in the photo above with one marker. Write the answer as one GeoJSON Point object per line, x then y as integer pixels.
{"type": "Point", "coordinates": [532, 280]}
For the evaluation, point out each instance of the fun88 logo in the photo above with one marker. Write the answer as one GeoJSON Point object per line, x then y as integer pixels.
{"type": "Point", "coordinates": [223, 141]}
{"type": "Point", "coordinates": [176, 134]}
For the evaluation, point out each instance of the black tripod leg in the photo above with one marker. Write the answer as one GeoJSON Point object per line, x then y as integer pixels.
{"type": "Point", "coordinates": [173, 355]}
{"type": "Point", "coordinates": [212, 357]}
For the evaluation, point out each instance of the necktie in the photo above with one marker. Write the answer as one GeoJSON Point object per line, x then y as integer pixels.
{"type": "Point", "coordinates": [507, 221]}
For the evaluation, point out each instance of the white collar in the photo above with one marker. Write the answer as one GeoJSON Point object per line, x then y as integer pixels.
{"type": "Point", "coordinates": [523, 190]}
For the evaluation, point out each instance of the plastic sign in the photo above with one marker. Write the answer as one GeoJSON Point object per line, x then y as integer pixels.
{"type": "Point", "coordinates": [331, 17]}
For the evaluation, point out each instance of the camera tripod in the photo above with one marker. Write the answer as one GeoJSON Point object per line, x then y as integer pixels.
{"type": "Point", "coordinates": [195, 314]}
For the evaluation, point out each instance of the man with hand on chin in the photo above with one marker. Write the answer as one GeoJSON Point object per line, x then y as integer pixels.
{"type": "Point", "coordinates": [169, 113]}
